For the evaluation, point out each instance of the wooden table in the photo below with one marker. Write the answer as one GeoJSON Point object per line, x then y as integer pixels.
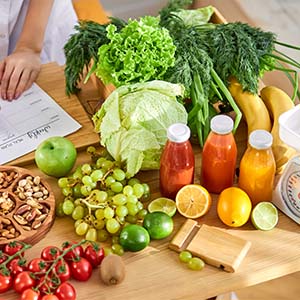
{"type": "Point", "coordinates": [156, 273]}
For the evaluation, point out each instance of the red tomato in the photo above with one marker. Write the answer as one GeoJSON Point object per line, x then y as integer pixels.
{"type": "Point", "coordinates": [50, 297]}
{"type": "Point", "coordinates": [23, 281]}
{"type": "Point", "coordinates": [16, 266]}
{"type": "Point", "coordinates": [81, 270]}
{"type": "Point", "coordinates": [62, 270]}
{"type": "Point", "coordinates": [74, 253]}
{"type": "Point", "coordinates": [94, 254]}
{"type": "Point", "coordinates": [50, 253]}
{"type": "Point", "coordinates": [66, 291]}
{"type": "Point", "coordinates": [5, 283]}
{"type": "Point", "coordinates": [30, 294]}
{"type": "Point", "coordinates": [37, 265]}
{"type": "Point", "coordinates": [12, 248]}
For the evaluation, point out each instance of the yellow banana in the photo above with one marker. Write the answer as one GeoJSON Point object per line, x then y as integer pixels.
{"type": "Point", "coordinates": [253, 108]}
{"type": "Point", "coordinates": [278, 102]}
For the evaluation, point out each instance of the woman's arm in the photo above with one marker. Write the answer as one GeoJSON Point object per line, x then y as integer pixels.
{"type": "Point", "coordinates": [20, 69]}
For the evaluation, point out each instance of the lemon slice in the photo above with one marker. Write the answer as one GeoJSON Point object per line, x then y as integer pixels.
{"type": "Point", "coordinates": [264, 216]}
{"type": "Point", "coordinates": [193, 201]}
{"type": "Point", "coordinates": [163, 204]}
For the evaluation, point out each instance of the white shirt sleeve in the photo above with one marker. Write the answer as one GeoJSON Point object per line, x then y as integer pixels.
{"type": "Point", "coordinates": [59, 28]}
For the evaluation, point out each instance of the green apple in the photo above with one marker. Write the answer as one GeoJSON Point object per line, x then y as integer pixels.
{"type": "Point", "coordinates": [56, 156]}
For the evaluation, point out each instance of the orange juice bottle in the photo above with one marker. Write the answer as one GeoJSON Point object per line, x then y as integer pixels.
{"type": "Point", "coordinates": [257, 167]}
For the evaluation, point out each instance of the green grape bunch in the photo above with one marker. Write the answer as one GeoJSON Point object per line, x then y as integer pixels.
{"type": "Point", "coordinates": [101, 199]}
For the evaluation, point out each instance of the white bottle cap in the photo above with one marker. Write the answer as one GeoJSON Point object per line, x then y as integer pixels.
{"type": "Point", "coordinates": [178, 133]}
{"type": "Point", "coordinates": [221, 124]}
{"type": "Point", "coordinates": [260, 139]}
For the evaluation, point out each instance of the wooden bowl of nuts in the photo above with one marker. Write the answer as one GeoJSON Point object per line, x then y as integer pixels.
{"type": "Point", "coordinates": [27, 206]}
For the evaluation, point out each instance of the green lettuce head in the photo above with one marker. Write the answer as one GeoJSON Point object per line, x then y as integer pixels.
{"type": "Point", "coordinates": [141, 51]}
{"type": "Point", "coordinates": [133, 122]}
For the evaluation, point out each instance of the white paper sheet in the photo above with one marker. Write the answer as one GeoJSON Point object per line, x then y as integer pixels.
{"type": "Point", "coordinates": [27, 121]}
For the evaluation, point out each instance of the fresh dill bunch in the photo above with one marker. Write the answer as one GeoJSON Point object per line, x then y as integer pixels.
{"type": "Point", "coordinates": [190, 57]}
{"type": "Point", "coordinates": [239, 50]}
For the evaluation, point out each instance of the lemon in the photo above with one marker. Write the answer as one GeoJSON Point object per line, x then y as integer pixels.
{"type": "Point", "coordinates": [163, 204]}
{"type": "Point", "coordinates": [264, 216]}
{"type": "Point", "coordinates": [193, 201]}
{"type": "Point", "coordinates": [158, 224]}
{"type": "Point", "coordinates": [234, 207]}
{"type": "Point", "coordinates": [134, 238]}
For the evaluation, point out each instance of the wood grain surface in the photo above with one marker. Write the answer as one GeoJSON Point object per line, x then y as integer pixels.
{"type": "Point", "coordinates": [156, 273]}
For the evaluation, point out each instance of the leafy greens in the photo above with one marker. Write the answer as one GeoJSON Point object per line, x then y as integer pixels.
{"type": "Point", "coordinates": [139, 52]}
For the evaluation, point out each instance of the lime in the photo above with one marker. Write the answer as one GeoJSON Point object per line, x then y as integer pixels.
{"type": "Point", "coordinates": [158, 224]}
{"type": "Point", "coordinates": [163, 204]}
{"type": "Point", "coordinates": [264, 216]}
{"type": "Point", "coordinates": [134, 238]}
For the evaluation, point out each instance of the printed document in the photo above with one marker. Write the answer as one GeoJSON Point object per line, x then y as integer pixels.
{"type": "Point", "coordinates": [27, 121]}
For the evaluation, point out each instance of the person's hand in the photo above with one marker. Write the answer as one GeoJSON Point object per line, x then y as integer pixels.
{"type": "Point", "coordinates": [17, 72]}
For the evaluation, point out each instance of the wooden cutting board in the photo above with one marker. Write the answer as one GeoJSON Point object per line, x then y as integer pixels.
{"type": "Point", "coordinates": [216, 247]}
{"type": "Point", "coordinates": [52, 81]}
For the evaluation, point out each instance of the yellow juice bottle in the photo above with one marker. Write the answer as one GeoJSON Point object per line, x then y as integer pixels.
{"type": "Point", "coordinates": [257, 167]}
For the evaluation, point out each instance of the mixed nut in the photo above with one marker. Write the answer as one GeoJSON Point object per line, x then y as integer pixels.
{"type": "Point", "coordinates": [23, 204]}
{"type": "Point", "coordinates": [6, 178]}
{"type": "Point", "coordinates": [7, 229]}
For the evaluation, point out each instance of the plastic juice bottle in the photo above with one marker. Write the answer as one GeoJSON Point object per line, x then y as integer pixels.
{"type": "Point", "coordinates": [177, 163]}
{"type": "Point", "coordinates": [258, 167]}
{"type": "Point", "coordinates": [219, 156]}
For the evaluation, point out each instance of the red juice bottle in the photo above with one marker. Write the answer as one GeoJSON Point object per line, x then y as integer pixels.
{"type": "Point", "coordinates": [219, 156]}
{"type": "Point", "coordinates": [177, 163]}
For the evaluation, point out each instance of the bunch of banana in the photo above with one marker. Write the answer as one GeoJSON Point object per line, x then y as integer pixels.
{"type": "Point", "coordinates": [278, 102]}
{"type": "Point", "coordinates": [262, 112]}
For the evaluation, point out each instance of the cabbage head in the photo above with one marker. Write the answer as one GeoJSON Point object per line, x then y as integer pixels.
{"type": "Point", "coordinates": [133, 122]}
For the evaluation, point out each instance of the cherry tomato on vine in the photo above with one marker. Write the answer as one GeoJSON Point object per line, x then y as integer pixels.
{"type": "Point", "coordinates": [62, 270]}
{"type": "Point", "coordinates": [30, 294]}
{"type": "Point", "coordinates": [94, 254]}
{"type": "Point", "coordinates": [50, 253]}
{"type": "Point", "coordinates": [12, 248]}
{"type": "Point", "coordinates": [81, 269]}
{"type": "Point", "coordinates": [50, 297]}
{"type": "Point", "coordinates": [17, 266]}
{"type": "Point", "coordinates": [23, 281]}
{"type": "Point", "coordinates": [5, 282]}
{"type": "Point", "coordinates": [66, 291]}
{"type": "Point", "coordinates": [37, 265]}
{"type": "Point", "coordinates": [74, 253]}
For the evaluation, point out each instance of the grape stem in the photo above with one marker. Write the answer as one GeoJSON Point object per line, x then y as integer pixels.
{"type": "Point", "coordinates": [92, 206]}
